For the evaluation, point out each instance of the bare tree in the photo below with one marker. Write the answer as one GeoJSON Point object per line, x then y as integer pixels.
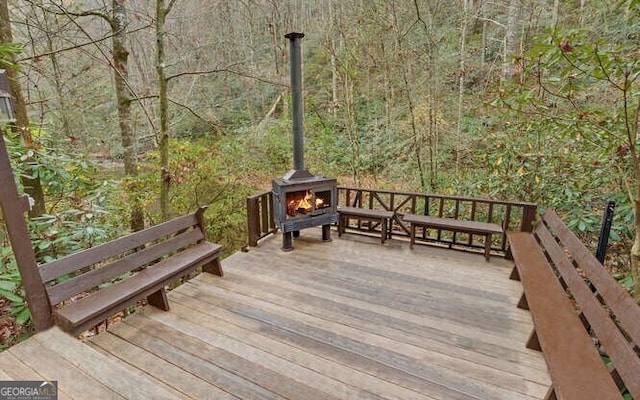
{"type": "Point", "coordinates": [163, 83]}
{"type": "Point", "coordinates": [464, 23]}
{"type": "Point", "coordinates": [510, 43]}
{"type": "Point", "coordinates": [118, 22]}
{"type": "Point", "coordinates": [30, 179]}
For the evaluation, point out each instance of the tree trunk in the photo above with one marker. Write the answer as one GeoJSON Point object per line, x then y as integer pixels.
{"type": "Point", "coordinates": [165, 175]}
{"type": "Point", "coordinates": [555, 13]}
{"type": "Point", "coordinates": [510, 44]}
{"type": "Point", "coordinates": [583, 4]}
{"type": "Point", "coordinates": [30, 180]}
{"type": "Point", "coordinates": [461, 75]}
{"type": "Point", "coordinates": [123, 97]}
{"type": "Point", "coordinates": [57, 71]}
{"type": "Point", "coordinates": [635, 249]}
{"type": "Point", "coordinates": [483, 50]}
{"type": "Point", "coordinates": [334, 80]}
{"type": "Point", "coordinates": [352, 129]}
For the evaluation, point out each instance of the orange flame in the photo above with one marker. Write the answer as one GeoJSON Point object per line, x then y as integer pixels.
{"type": "Point", "coordinates": [303, 205]}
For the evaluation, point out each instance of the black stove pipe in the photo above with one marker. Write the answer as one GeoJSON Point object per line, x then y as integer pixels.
{"type": "Point", "coordinates": [295, 61]}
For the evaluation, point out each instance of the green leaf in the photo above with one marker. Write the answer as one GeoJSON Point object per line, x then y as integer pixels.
{"type": "Point", "coordinates": [9, 286]}
{"type": "Point", "coordinates": [14, 298]}
{"type": "Point", "coordinates": [23, 316]}
{"type": "Point", "coordinates": [582, 226]}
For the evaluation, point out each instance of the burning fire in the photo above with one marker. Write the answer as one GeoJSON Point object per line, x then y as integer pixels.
{"type": "Point", "coordinates": [304, 204]}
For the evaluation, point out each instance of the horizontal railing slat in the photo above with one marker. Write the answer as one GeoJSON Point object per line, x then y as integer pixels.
{"type": "Point", "coordinates": [512, 215]}
{"type": "Point", "coordinates": [516, 213]}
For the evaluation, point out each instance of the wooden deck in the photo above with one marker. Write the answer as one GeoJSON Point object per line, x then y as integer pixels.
{"type": "Point", "coordinates": [351, 319]}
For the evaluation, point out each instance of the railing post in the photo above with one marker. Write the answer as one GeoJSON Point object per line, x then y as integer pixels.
{"type": "Point", "coordinates": [253, 221]}
{"type": "Point", "coordinates": [13, 211]}
{"type": "Point", "coordinates": [272, 221]}
{"type": "Point", "coordinates": [528, 216]}
{"type": "Point", "coordinates": [264, 214]}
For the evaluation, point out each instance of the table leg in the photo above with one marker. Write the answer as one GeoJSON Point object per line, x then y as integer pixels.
{"type": "Point", "coordinates": [487, 247]}
{"type": "Point", "coordinates": [412, 230]}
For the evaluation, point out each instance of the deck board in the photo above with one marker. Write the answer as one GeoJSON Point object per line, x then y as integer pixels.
{"type": "Point", "coordinates": [351, 319]}
{"type": "Point", "coordinates": [76, 381]}
{"type": "Point", "coordinates": [380, 320]}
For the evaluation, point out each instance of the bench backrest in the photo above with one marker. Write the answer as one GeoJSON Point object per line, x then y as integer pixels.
{"type": "Point", "coordinates": [98, 265]}
{"type": "Point", "coordinates": [609, 312]}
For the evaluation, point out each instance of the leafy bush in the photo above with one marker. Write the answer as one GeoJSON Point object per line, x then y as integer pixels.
{"type": "Point", "coordinates": [80, 215]}
{"type": "Point", "coordinates": [11, 284]}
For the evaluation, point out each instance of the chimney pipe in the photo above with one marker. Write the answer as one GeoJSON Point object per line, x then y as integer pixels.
{"type": "Point", "coordinates": [295, 61]}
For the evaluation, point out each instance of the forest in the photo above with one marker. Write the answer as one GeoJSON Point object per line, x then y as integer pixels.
{"type": "Point", "coordinates": [128, 113]}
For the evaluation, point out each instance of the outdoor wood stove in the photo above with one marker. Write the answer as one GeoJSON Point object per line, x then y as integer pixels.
{"type": "Point", "coordinates": [302, 200]}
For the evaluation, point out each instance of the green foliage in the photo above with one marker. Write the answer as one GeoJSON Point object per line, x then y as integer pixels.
{"type": "Point", "coordinates": [73, 229]}
{"type": "Point", "coordinates": [11, 284]}
{"type": "Point", "coordinates": [200, 176]}
{"type": "Point", "coordinates": [6, 50]}
{"type": "Point", "coordinates": [81, 214]}
{"type": "Point", "coordinates": [563, 141]}
{"type": "Point", "coordinates": [81, 209]}
{"type": "Point", "coordinates": [12, 290]}
{"type": "Point", "coordinates": [624, 392]}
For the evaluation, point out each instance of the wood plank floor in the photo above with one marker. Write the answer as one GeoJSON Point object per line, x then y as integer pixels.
{"type": "Point", "coordinates": [350, 319]}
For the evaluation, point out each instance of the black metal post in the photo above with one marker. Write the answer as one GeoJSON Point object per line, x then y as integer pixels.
{"type": "Point", "coordinates": [605, 230]}
{"type": "Point", "coordinates": [295, 63]}
{"type": "Point", "coordinates": [297, 108]}
{"type": "Point", "coordinates": [287, 241]}
{"type": "Point", "coordinates": [326, 233]}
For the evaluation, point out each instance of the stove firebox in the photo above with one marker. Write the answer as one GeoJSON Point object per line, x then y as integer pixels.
{"type": "Point", "coordinates": [304, 203]}
{"type": "Point", "coordinates": [302, 200]}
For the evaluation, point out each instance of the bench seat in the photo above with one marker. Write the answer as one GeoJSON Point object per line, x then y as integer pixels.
{"type": "Point", "coordinates": [575, 366]}
{"type": "Point", "coordinates": [485, 229]}
{"type": "Point", "coordinates": [383, 217]}
{"type": "Point", "coordinates": [90, 286]}
{"type": "Point", "coordinates": [581, 314]}
{"type": "Point", "coordinates": [150, 282]}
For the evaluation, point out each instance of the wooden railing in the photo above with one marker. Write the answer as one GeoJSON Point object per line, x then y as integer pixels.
{"type": "Point", "coordinates": [513, 216]}
{"type": "Point", "coordinates": [260, 220]}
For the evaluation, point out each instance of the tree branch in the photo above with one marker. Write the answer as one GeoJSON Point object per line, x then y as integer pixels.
{"type": "Point", "coordinates": [67, 13]}
{"type": "Point", "coordinates": [606, 73]}
{"type": "Point", "coordinates": [195, 114]}
{"type": "Point", "coordinates": [227, 70]}
{"type": "Point", "coordinates": [170, 6]}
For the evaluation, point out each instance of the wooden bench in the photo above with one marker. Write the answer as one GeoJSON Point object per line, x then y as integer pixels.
{"type": "Point", "coordinates": [383, 217]}
{"type": "Point", "coordinates": [578, 309]}
{"type": "Point", "coordinates": [455, 225]}
{"type": "Point", "coordinates": [126, 270]}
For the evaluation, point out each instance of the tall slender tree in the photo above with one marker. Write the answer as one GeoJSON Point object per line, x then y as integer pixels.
{"type": "Point", "coordinates": [118, 22]}
{"type": "Point", "coordinates": [510, 42]}
{"type": "Point", "coordinates": [118, 61]}
{"type": "Point", "coordinates": [30, 179]}
{"type": "Point", "coordinates": [464, 23]}
{"type": "Point", "coordinates": [163, 83]}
